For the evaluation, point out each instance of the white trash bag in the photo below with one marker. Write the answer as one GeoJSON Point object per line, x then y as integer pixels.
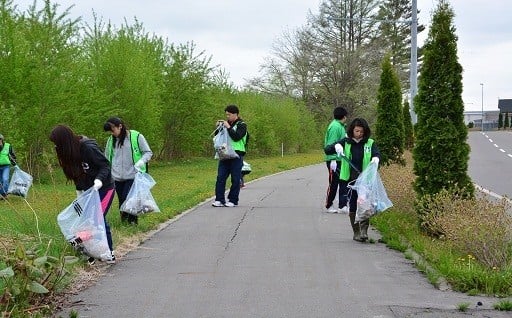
{"type": "Point", "coordinates": [222, 144]}
{"type": "Point", "coordinates": [20, 182]}
{"type": "Point", "coordinates": [139, 199]}
{"type": "Point", "coordinates": [83, 225]}
{"type": "Point", "coordinates": [371, 194]}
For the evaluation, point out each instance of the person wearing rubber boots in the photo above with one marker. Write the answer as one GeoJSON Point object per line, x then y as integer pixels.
{"type": "Point", "coordinates": [357, 150]}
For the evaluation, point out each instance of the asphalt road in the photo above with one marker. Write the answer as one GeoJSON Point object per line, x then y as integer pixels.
{"type": "Point", "coordinates": [275, 255]}
{"type": "Point", "coordinates": [490, 164]}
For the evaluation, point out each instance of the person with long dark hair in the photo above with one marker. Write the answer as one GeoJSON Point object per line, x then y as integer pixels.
{"type": "Point", "coordinates": [84, 163]}
{"type": "Point", "coordinates": [359, 150]}
{"type": "Point", "coordinates": [128, 152]}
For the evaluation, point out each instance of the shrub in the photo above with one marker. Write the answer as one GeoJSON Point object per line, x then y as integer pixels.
{"type": "Point", "coordinates": [475, 227]}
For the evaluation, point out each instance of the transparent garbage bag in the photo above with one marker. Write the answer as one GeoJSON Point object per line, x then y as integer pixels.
{"type": "Point", "coordinates": [139, 199]}
{"type": "Point", "coordinates": [371, 194]}
{"type": "Point", "coordinates": [20, 182]}
{"type": "Point", "coordinates": [83, 225]}
{"type": "Point", "coordinates": [246, 168]}
{"type": "Point", "coordinates": [222, 144]}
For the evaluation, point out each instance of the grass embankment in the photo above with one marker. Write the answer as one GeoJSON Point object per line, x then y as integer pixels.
{"type": "Point", "coordinates": [182, 185]}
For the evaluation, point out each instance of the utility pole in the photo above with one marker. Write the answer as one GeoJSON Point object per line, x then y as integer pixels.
{"type": "Point", "coordinates": [482, 84]}
{"type": "Point", "coordinates": [414, 60]}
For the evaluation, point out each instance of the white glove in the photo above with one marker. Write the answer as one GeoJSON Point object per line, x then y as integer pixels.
{"type": "Point", "coordinates": [339, 149]}
{"type": "Point", "coordinates": [79, 193]}
{"type": "Point", "coordinates": [333, 165]}
{"type": "Point", "coordinates": [139, 164]}
{"type": "Point", "coordinates": [375, 160]}
{"type": "Point", "coordinates": [97, 184]}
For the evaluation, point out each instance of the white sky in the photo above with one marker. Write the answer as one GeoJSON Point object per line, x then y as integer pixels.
{"type": "Point", "coordinates": [239, 34]}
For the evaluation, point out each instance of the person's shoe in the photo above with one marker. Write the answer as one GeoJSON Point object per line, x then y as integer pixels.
{"type": "Point", "coordinates": [91, 261]}
{"type": "Point", "coordinates": [230, 204]}
{"type": "Point", "coordinates": [343, 210]}
{"type": "Point", "coordinates": [332, 209]}
{"type": "Point", "coordinates": [112, 259]}
{"type": "Point", "coordinates": [217, 204]}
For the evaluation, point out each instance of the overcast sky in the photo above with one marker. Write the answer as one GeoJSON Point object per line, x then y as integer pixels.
{"type": "Point", "coordinates": [239, 34]}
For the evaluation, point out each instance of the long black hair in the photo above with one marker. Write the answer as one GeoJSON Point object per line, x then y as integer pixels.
{"type": "Point", "coordinates": [67, 147]}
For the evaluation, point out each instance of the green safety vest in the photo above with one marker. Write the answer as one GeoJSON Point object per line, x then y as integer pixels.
{"type": "Point", "coordinates": [4, 155]}
{"type": "Point", "coordinates": [367, 157]}
{"type": "Point", "coordinates": [240, 144]}
{"type": "Point", "coordinates": [134, 142]}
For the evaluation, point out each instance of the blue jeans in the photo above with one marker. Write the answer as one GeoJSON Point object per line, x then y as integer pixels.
{"type": "Point", "coordinates": [4, 172]}
{"type": "Point", "coordinates": [226, 168]}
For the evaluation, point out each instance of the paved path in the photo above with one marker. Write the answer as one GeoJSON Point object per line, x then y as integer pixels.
{"type": "Point", "coordinates": [275, 255]}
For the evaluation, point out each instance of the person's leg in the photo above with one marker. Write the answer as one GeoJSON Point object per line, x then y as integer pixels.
{"type": "Point", "coordinates": [220, 184]}
{"type": "Point", "coordinates": [352, 197]}
{"type": "Point", "coordinates": [107, 196]}
{"type": "Point", "coordinates": [122, 189]}
{"type": "Point", "coordinates": [4, 171]}
{"type": "Point", "coordinates": [235, 170]}
{"type": "Point", "coordinates": [332, 189]}
{"type": "Point", "coordinates": [343, 197]}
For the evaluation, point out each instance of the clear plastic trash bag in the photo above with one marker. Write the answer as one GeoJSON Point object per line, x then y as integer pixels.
{"type": "Point", "coordinates": [139, 199]}
{"type": "Point", "coordinates": [20, 182]}
{"type": "Point", "coordinates": [83, 225]}
{"type": "Point", "coordinates": [222, 144]}
{"type": "Point", "coordinates": [371, 194]}
{"type": "Point", "coordinates": [246, 168]}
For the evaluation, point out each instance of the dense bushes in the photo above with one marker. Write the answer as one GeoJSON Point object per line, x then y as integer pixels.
{"type": "Point", "coordinates": [54, 70]}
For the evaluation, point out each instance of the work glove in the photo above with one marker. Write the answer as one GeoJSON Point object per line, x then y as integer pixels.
{"type": "Point", "coordinates": [375, 160]}
{"type": "Point", "coordinates": [339, 150]}
{"type": "Point", "coordinates": [79, 193]}
{"type": "Point", "coordinates": [97, 184]}
{"type": "Point", "coordinates": [139, 164]}
{"type": "Point", "coordinates": [333, 165]}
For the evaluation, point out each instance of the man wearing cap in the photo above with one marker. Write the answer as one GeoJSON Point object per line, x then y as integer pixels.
{"type": "Point", "coordinates": [7, 158]}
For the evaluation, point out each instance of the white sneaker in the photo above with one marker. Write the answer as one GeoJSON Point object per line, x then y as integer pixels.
{"type": "Point", "coordinates": [332, 209]}
{"type": "Point", "coordinates": [217, 204]}
{"type": "Point", "coordinates": [112, 259]}
{"type": "Point", "coordinates": [229, 204]}
{"type": "Point", "coordinates": [343, 210]}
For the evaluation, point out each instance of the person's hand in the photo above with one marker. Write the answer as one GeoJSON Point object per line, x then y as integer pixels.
{"type": "Point", "coordinates": [79, 193]}
{"type": "Point", "coordinates": [375, 160]}
{"type": "Point", "coordinates": [333, 165]}
{"type": "Point", "coordinates": [97, 184]}
{"type": "Point", "coordinates": [139, 164]}
{"type": "Point", "coordinates": [339, 150]}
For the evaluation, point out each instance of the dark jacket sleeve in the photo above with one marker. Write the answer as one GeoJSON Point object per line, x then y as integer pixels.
{"type": "Point", "coordinates": [12, 156]}
{"type": "Point", "coordinates": [329, 149]}
{"type": "Point", "coordinates": [239, 132]}
{"type": "Point", "coordinates": [375, 151]}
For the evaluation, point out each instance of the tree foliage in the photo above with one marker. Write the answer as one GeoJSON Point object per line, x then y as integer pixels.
{"type": "Point", "coordinates": [389, 131]}
{"type": "Point", "coordinates": [441, 153]}
{"type": "Point", "coordinates": [57, 71]}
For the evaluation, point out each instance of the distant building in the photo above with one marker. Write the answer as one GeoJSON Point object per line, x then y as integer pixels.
{"type": "Point", "coordinates": [505, 106]}
{"type": "Point", "coordinates": [490, 118]}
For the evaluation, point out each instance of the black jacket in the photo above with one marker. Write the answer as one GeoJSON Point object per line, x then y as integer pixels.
{"type": "Point", "coordinates": [94, 164]}
{"type": "Point", "coordinates": [356, 151]}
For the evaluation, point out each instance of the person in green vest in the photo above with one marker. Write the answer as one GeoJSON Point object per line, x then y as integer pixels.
{"type": "Point", "coordinates": [358, 150]}
{"type": "Point", "coordinates": [335, 131]}
{"type": "Point", "coordinates": [128, 152]}
{"type": "Point", "coordinates": [7, 158]}
{"type": "Point", "coordinates": [237, 130]}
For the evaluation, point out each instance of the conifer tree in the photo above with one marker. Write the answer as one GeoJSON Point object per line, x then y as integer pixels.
{"type": "Point", "coordinates": [389, 131]}
{"type": "Point", "coordinates": [408, 129]}
{"type": "Point", "coordinates": [500, 121]}
{"type": "Point", "coordinates": [507, 122]}
{"type": "Point", "coordinates": [441, 153]}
